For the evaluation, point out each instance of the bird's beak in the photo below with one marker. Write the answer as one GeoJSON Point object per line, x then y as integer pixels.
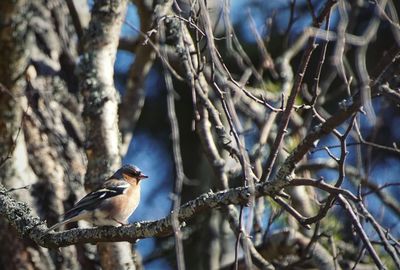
{"type": "Point", "coordinates": [142, 176]}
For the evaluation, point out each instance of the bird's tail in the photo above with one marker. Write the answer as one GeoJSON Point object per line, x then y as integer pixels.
{"type": "Point", "coordinates": [59, 224]}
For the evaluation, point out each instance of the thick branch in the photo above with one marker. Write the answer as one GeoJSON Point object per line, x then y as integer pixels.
{"type": "Point", "coordinates": [97, 86]}
{"type": "Point", "coordinates": [100, 112]}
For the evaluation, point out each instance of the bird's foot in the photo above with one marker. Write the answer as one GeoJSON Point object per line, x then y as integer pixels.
{"type": "Point", "coordinates": [120, 223]}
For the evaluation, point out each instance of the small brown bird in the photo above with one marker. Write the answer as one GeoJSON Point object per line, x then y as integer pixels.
{"type": "Point", "coordinates": [112, 203]}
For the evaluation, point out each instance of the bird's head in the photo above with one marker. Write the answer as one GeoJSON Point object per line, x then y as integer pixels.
{"type": "Point", "coordinates": [129, 173]}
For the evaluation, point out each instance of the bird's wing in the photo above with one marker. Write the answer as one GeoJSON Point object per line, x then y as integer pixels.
{"type": "Point", "coordinates": [91, 201]}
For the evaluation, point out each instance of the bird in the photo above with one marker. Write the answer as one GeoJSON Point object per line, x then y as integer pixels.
{"type": "Point", "coordinates": [111, 204]}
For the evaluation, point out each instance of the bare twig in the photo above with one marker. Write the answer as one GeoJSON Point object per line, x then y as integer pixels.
{"type": "Point", "coordinates": [360, 231]}
{"type": "Point", "coordinates": [291, 99]}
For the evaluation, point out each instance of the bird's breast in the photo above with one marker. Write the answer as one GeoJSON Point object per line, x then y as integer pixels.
{"type": "Point", "coordinates": [126, 204]}
{"type": "Point", "coordinates": [116, 210]}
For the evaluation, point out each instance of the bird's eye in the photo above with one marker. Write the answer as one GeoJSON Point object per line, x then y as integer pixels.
{"type": "Point", "coordinates": [134, 173]}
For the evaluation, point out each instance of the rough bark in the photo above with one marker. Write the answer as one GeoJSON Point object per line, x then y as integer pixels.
{"type": "Point", "coordinates": [43, 134]}
{"type": "Point", "coordinates": [15, 170]}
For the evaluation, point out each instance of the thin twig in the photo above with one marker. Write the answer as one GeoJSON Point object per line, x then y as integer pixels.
{"type": "Point", "coordinates": [178, 168]}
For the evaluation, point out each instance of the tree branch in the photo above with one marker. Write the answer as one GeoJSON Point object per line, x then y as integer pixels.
{"type": "Point", "coordinates": [29, 226]}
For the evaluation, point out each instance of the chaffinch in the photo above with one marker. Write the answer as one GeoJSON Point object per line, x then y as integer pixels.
{"type": "Point", "coordinates": [112, 203]}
